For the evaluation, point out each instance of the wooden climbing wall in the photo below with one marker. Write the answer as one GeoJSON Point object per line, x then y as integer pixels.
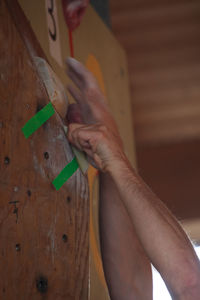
{"type": "Point", "coordinates": [43, 232]}
{"type": "Point", "coordinates": [96, 47]}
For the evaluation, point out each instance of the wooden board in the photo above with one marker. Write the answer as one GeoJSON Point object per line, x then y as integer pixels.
{"type": "Point", "coordinates": [44, 239]}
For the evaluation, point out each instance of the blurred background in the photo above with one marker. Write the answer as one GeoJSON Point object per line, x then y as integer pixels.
{"type": "Point", "coordinates": [162, 42]}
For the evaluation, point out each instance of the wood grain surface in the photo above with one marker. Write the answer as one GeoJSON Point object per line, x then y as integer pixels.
{"type": "Point", "coordinates": [162, 42]}
{"type": "Point", "coordinates": [43, 233]}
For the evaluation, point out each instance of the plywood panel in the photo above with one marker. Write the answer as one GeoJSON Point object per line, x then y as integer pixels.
{"type": "Point", "coordinates": [43, 233]}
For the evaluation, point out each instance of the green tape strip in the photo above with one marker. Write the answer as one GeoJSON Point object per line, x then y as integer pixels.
{"type": "Point", "coordinates": [38, 120]}
{"type": "Point", "coordinates": [65, 174]}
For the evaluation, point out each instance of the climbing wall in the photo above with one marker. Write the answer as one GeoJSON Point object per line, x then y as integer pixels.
{"type": "Point", "coordinates": [43, 232]}
{"type": "Point", "coordinates": [48, 230]}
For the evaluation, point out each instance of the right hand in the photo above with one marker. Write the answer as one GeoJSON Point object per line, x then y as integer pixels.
{"type": "Point", "coordinates": [99, 143]}
{"type": "Point", "coordinates": [90, 107]}
{"type": "Point", "coordinates": [105, 143]}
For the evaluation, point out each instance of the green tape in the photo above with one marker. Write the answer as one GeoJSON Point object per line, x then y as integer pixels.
{"type": "Point", "coordinates": [38, 120]}
{"type": "Point", "coordinates": [65, 174]}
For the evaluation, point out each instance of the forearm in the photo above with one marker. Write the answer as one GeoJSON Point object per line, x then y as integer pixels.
{"type": "Point", "coordinates": [160, 234]}
{"type": "Point", "coordinates": [126, 266]}
{"type": "Point", "coordinates": [162, 237]}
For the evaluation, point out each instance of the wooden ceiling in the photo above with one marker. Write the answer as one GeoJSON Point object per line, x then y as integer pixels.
{"type": "Point", "coordinates": [162, 42]}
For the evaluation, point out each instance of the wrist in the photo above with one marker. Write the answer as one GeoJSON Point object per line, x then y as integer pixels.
{"type": "Point", "coordinates": [118, 165]}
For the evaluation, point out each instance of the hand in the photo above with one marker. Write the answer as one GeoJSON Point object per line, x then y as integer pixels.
{"type": "Point", "coordinates": [91, 109]}
{"type": "Point", "coordinates": [74, 11]}
{"type": "Point", "coordinates": [99, 143]}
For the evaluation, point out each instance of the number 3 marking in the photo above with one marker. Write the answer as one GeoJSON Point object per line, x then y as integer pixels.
{"type": "Point", "coordinates": [50, 11]}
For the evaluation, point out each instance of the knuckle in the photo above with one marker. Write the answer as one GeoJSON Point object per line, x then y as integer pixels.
{"type": "Point", "coordinates": [91, 92]}
{"type": "Point", "coordinates": [79, 133]}
{"type": "Point", "coordinates": [100, 135]}
{"type": "Point", "coordinates": [71, 127]}
{"type": "Point", "coordinates": [102, 128]}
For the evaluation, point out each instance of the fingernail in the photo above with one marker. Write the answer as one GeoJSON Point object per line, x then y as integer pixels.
{"type": "Point", "coordinates": [66, 60]}
{"type": "Point", "coordinates": [69, 59]}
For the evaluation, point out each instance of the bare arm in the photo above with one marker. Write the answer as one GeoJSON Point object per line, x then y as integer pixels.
{"type": "Point", "coordinates": [126, 266]}
{"type": "Point", "coordinates": [163, 239]}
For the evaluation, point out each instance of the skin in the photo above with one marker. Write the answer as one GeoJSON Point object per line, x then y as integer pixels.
{"type": "Point", "coordinates": [164, 241]}
{"type": "Point", "coordinates": [74, 11]}
{"type": "Point", "coordinates": [126, 266]}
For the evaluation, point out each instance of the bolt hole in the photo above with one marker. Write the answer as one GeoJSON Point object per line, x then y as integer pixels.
{"type": "Point", "coordinates": [39, 107]}
{"type": "Point", "coordinates": [42, 284]}
{"type": "Point", "coordinates": [68, 199]}
{"type": "Point", "coordinates": [6, 160]}
{"type": "Point", "coordinates": [46, 155]}
{"type": "Point", "coordinates": [29, 193]}
{"type": "Point", "coordinates": [17, 247]}
{"type": "Point", "coordinates": [65, 238]}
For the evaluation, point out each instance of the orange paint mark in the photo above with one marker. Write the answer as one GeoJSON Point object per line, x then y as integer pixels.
{"type": "Point", "coordinates": [94, 67]}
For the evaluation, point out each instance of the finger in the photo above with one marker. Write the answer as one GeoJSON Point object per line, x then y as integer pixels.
{"type": "Point", "coordinates": [74, 114]}
{"type": "Point", "coordinates": [72, 130]}
{"type": "Point", "coordinates": [74, 93]}
{"type": "Point", "coordinates": [86, 138]}
{"type": "Point", "coordinates": [78, 68]}
{"type": "Point", "coordinates": [79, 135]}
{"type": "Point", "coordinates": [71, 13]}
{"type": "Point", "coordinates": [84, 143]}
{"type": "Point", "coordinates": [76, 80]}
{"type": "Point", "coordinates": [72, 135]}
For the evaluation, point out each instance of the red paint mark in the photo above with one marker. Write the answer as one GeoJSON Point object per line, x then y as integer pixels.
{"type": "Point", "coordinates": [71, 46]}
